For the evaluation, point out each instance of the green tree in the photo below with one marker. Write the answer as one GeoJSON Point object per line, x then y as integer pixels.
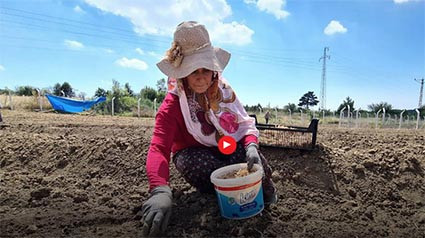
{"type": "Point", "coordinates": [57, 89]}
{"type": "Point", "coordinates": [148, 93]}
{"type": "Point", "coordinates": [160, 85]}
{"type": "Point", "coordinates": [100, 92]}
{"type": "Point", "coordinates": [422, 110]}
{"type": "Point", "coordinates": [375, 107]}
{"type": "Point", "coordinates": [67, 89]}
{"type": "Point", "coordinates": [128, 89]}
{"type": "Point", "coordinates": [25, 91]}
{"type": "Point", "coordinates": [347, 102]}
{"type": "Point", "coordinates": [3, 91]}
{"type": "Point", "coordinates": [116, 92]}
{"type": "Point", "coordinates": [160, 96]}
{"type": "Point", "coordinates": [308, 99]}
{"type": "Point", "coordinates": [290, 106]}
{"type": "Point", "coordinates": [123, 102]}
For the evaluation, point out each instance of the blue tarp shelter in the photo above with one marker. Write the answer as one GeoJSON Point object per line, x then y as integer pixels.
{"type": "Point", "coordinates": [71, 105]}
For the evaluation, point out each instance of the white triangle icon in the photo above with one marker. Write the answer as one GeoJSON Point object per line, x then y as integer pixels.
{"type": "Point", "coordinates": [225, 144]}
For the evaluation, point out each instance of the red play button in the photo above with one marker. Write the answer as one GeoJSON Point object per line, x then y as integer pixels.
{"type": "Point", "coordinates": [227, 145]}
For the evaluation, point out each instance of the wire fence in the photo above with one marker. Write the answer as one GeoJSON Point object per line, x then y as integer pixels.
{"type": "Point", "coordinates": [360, 120]}
{"type": "Point", "coordinates": [378, 120]}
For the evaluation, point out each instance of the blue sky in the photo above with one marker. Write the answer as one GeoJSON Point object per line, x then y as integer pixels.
{"type": "Point", "coordinates": [376, 47]}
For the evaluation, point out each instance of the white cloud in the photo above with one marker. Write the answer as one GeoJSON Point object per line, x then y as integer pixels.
{"type": "Point", "coordinates": [400, 1]}
{"type": "Point", "coordinates": [234, 33]}
{"type": "Point", "coordinates": [78, 9]}
{"type": "Point", "coordinates": [140, 51]}
{"type": "Point", "coordinates": [2, 68]}
{"type": "Point", "coordinates": [274, 7]}
{"type": "Point", "coordinates": [405, 1]}
{"type": "Point", "coordinates": [73, 45]}
{"type": "Point", "coordinates": [156, 55]}
{"type": "Point", "coordinates": [161, 17]}
{"type": "Point", "coordinates": [109, 51]}
{"type": "Point", "coordinates": [334, 27]}
{"type": "Point", "coordinates": [132, 63]}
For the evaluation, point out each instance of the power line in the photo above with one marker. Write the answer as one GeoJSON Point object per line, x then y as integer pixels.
{"type": "Point", "coordinates": [271, 58]}
{"type": "Point", "coordinates": [96, 26]}
{"type": "Point", "coordinates": [267, 58]}
{"type": "Point", "coordinates": [93, 35]}
{"type": "Point", "coordinates": [122, 35]}
{"type": "Point", "coordinates": [74, 23]}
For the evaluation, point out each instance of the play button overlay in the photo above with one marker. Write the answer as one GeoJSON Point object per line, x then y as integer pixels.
{"type": "Point", "coordinates": [227, 145]}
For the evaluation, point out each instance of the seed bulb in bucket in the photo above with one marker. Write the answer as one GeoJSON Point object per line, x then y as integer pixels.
{"type": "Point", "coordinates": [238, 173]}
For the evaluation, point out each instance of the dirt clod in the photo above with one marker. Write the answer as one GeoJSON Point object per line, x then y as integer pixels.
{"type": "Point", "coordinates": [40, 193]}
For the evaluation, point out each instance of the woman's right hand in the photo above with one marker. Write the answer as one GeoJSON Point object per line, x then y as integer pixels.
{"type": "Point", "coordinates": [252, 156]}
{"type": "Point", "coordinates": [157, 211]}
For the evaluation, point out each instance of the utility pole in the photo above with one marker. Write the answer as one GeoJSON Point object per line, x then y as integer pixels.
{"type": "Point", "coordinates": [323, 83]}
{"type": "Point", "coordinates": [421, 81]}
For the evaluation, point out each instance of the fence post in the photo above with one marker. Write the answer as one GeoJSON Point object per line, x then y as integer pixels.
{"type": "Point", "coordinates": [113, 99]}
{"type": "Point", "coordinates": [39, 99]}
{"type": "Point", "coordinates": [383, 116]}
{"type": "Point", "coordinates": [154, 107]}
{"type": "Point", "coordinates": [376, 118]}
{"type": "Point", "coordinates": [417, 118]}
{"type": "Point", "coordinates": [357, 118]}
{"type": "Point", "coordinates": [10, 100]}
{"type": "Point", "coordinates": [348, 115]}
{"type": "Point", "coordinates": [401, 119]}
{"type": "Point", "coordinates": [407, 120]}
{"type": "Point", "coordinates": [423, 125]}
{"type": "Point", "coordinates": [302, 120]}
{"type": "Point", "coordinates": [341, 115]}
{"type": "Point", "coordinates": [138, 107]}
{"type": "Point", "coordinates": [275, 109]}
{"type": "Point", "coordinates": [290, 114]}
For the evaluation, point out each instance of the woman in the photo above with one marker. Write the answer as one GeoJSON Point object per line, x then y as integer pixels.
{"type": "Point", "coordinates": [194, 115]}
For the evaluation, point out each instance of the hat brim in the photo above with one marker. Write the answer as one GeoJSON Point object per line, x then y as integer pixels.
{"type": "Point", "coordinates": [214, 59]}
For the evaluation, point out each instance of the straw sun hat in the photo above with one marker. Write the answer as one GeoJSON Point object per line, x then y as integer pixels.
{"type": "Point", "coordinates": [191, 50]}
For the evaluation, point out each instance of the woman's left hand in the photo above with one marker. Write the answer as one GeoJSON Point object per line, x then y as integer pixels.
{"type": "Point", "coordinates": [252, 155]}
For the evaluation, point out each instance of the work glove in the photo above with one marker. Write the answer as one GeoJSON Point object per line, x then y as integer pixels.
{"type": "Point", "coordinates": [157, 211]}
{"type": "Point", "coordinates": [252, 156]}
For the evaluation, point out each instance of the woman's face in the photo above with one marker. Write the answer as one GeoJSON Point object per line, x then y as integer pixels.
{"type": "Point", "coordinates": [200, 80]}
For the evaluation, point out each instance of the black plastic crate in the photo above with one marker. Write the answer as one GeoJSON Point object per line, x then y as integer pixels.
{"type": "Point", "coordinates": [292, 137]}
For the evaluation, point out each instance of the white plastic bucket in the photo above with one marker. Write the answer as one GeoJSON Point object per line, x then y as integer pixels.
{"type": "Point", "coordinates": [241, 197]}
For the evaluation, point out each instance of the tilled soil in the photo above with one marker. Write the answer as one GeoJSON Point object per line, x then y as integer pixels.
{"type": "Point", "coordinates": [84, 176]}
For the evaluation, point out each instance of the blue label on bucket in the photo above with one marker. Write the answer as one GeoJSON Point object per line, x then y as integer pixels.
{"type": "Point", "coordinates": [230, 208]}
{"type": "Point", "coordinates": [248, 206]}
